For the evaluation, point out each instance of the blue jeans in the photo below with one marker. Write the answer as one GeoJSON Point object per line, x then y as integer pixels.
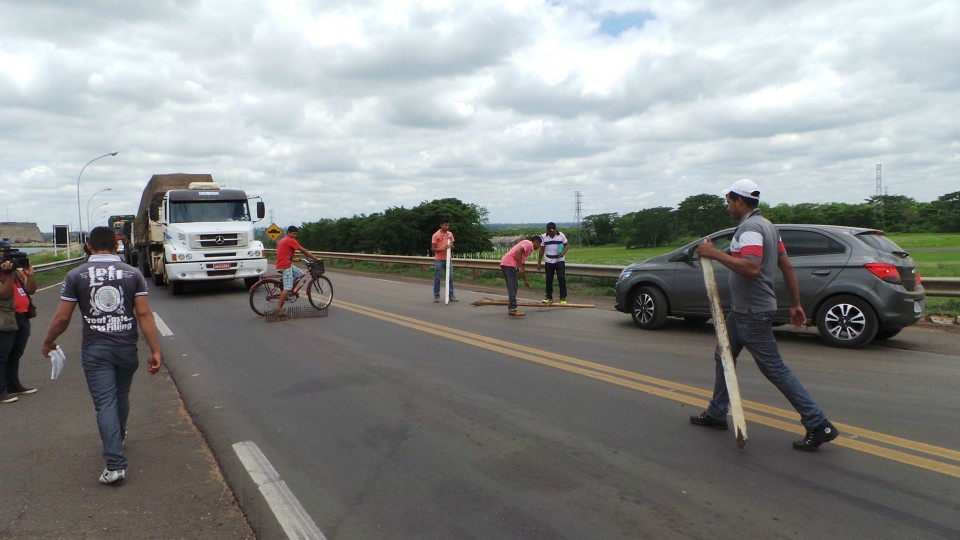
{"type": "Point", "coordinates": [109, 372]}
{"type": "Point", "coordinates": [439, 267]}
{"type": "Point", "coordinates": [755, 332]}
{"type": "Point", "coordinates": [511, 275]}
{"type": "Point", "coordinates": [560, 268]}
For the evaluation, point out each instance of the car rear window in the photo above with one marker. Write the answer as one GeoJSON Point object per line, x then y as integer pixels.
{"type": "Point", "coordinates": [807, 243]}
{"type": "Point", "coordinates": [877, 240]}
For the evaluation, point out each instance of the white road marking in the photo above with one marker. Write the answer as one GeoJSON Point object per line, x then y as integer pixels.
{"type": "Point", "coordinates": [287, 509]}
{"type": "Point", "coordinates": [162, 326]}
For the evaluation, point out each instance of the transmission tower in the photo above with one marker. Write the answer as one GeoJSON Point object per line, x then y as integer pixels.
{"type": "Point", "coordinates": [578, 215]}
{"type": "Point", "coordinates": [880, 195]}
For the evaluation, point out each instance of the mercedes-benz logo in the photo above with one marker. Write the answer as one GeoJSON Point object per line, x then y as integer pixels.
{"type": "Point", "coordinates": [218, 240]}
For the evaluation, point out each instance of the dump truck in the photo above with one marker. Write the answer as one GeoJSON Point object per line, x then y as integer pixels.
{"type": "Point", "coordinates": [123, 229]}
{"type": "Point", "coordinates": [189, 229]}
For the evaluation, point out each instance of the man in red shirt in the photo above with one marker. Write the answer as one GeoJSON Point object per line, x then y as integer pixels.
{"type": "Point", "coordinates": [285, 249]}
{"type": "Point", "coordinates": [512, 265]}
{"type": "Point", "coordinates": [439, 242]}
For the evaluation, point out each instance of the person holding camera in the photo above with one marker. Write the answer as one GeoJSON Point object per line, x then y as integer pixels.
{"type": "Point", "coordinates": [16, 285]}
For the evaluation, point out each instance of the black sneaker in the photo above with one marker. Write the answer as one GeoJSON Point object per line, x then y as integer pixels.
{"type": "Point", "coordinates": [23, 390]}
{"type": "Point", "coordinates": [704, 419]}
{"type": "Point", "coordinates": [7, 398]}
{"type": "Point", "coordinates": [823, 433]}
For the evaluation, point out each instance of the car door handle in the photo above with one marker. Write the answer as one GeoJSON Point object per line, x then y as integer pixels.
{"type": "Point", "coordinates": [821, 272]}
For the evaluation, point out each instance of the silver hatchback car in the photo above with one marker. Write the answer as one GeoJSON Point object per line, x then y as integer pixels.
{"type": "Point", "coordinates": [856, 285]}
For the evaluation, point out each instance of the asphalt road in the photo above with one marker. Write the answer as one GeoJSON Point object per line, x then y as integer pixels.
{"type": "Point", "coordinates": [395, 417]}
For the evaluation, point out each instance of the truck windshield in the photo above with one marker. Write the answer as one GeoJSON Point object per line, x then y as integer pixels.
{"type": "Point", "coordinates": [207, 211]}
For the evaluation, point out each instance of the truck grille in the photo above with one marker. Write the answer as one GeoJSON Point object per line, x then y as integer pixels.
{"type": "Point", "coordinates": [213, 241]}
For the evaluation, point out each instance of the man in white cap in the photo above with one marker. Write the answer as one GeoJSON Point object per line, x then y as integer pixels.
{"type": "Point", "coordinates": [755, 252]}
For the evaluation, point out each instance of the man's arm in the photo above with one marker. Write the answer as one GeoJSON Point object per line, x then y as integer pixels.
{"type": "Point", "coordinates": [59, 324]}
{"type": "Point", "coordinates": [6, 288]}
{"type": "Point", "coordinates": [745, 266]}
{"type": "Point", "coordinates": [148, 325]}
{"type": "Point", "coordinates": [797, 316]}
{"type": "Point", "coordinates": [28, 281]}
{"type": "Point", "coordinates": [540, 255]}
{"type": "Point", "coordinates": [308, 254]}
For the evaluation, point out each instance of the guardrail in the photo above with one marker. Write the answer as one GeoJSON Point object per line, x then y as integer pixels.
{"type": "Point", "coordinates": [58, 264]}
{"type": "Point", "coordinates": [933, 286]}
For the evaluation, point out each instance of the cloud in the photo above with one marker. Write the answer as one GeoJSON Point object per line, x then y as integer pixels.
{"type": "Point", "coordinates": [334, 109]}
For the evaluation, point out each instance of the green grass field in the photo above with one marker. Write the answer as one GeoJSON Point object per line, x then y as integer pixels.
{"type": "Point", "coordinates": [936, 255]}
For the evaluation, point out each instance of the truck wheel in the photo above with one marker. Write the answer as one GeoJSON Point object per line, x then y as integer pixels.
{"type": "Point", "coordinates": [158, 279]}
{"type": "Point", "coordinates": [176, 287]}
{"type": "Point", "coordinates": [250, 282]}
{"type": "Point", "coordinates": [144, 260]}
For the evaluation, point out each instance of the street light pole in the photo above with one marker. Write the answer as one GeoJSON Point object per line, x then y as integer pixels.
{"type": "Point", "coordinates": [79, 215]}
{"type": "Point", "coordinates": [90, 199]}
{"type": "Point", "coordinates": [90, 221]}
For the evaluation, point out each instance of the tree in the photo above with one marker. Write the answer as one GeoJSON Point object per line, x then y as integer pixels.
{"type": "Point", "coordinates": [700, 215]}
{"type": "Point", "coordinates": [600, 229]}
{"type": "Point", "coordinates": [466, 223]}
{"type": "Point", "coordinates": [945, 213]}
{"type": "Point", "coordinates": [648, 228]}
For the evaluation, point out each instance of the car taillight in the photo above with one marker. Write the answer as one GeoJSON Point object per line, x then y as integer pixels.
{"type": "Point", "coordinates": [886, 272]}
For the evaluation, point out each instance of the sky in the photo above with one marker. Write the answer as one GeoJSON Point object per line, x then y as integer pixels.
{"type": "Point", "coordinates": [335, 109]}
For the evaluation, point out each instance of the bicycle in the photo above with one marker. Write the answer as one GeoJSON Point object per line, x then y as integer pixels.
{"type": "Point", "coordinates": [265, 293]}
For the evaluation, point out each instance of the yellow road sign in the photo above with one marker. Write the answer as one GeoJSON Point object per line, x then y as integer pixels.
{"type": "Point", "coordinates": [273, 231]}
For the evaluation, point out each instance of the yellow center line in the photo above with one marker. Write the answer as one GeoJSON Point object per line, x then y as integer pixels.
{"type": "Point", "coordinates": [682, 393]}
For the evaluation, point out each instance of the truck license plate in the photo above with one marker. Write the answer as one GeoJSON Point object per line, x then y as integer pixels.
{"type": "Point", "coordinates": [221, 266]}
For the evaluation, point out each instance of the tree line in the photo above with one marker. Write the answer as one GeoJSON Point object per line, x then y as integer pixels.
{"type": "Point", "coordinates": [403, 231]}
{"type": "Point", "coordinates": [699, 215]}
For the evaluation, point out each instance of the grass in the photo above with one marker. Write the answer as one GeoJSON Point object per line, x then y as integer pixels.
{"type": "Point", "coordinates": [936, 255]}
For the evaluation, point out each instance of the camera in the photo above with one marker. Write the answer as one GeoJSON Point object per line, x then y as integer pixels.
{"type": "Point", "coordinates": [19, 258]}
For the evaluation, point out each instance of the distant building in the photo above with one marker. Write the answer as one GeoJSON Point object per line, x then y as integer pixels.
{"type": "Point", "coordinates": [20, 233]}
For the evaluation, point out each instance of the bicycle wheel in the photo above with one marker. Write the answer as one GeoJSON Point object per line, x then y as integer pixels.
{"type": "Point", "coordinates": [264, 296]}
{"type": "Point", "coordinates": [320, 292]}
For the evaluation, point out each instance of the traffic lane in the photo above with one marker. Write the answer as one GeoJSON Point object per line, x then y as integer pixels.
{"type": "Point", "coordinates": [878, 387]}
{"type": "Point", "coordinates": [426, 412]}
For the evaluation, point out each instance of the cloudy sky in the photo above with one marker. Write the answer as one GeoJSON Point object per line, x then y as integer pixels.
{"type": "Point", "coordinates": [331, 109]}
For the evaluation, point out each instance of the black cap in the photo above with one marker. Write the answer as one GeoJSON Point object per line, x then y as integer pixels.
{"type": "Point", "coordinates": [551, 226]}
{"type": "Point", "coordinates": [292, 228]}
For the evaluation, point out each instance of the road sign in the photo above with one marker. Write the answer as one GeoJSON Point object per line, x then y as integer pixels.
{"type": "Point", "coordinates": [273, 231]}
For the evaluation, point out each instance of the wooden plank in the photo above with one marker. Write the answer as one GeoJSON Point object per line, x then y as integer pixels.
{"type": "Point", "coordinates": [527, 303]}
{"type": "Point", "coordinates": [726, 354]}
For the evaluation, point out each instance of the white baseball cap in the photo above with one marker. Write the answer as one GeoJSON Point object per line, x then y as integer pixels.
{"type": "Point", "coordinates": [744, 188]}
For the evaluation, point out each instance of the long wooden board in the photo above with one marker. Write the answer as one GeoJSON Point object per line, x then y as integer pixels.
{"type": "Point", "coordinates": [726, 354]}
{"type": "Point", "coordinates": [526, 303]}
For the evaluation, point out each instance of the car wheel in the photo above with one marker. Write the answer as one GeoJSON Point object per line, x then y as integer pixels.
{"type": "Point", "coordinates": [887, 334]}
{"type": "Point", "coordinates": [847, 321]}
{"type": "Point", "coordinates": [649, 308]}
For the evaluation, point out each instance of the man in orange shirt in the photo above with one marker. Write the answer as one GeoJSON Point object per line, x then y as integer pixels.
{"type": "Point", "coordinates": [285, 249]}
{"type": "Point", "coordinates": [441, 240]}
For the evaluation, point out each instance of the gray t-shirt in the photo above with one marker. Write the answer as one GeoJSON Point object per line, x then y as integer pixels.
{"type": "Point", "coordinates": [104, 288]}
{"type": "Point", "coordinates": [755, 238]}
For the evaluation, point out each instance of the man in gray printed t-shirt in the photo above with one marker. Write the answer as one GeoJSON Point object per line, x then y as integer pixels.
{"type": "Point", "coordinates": [112, 297]}
{"type": "Point", "coordinates": [755, 253]}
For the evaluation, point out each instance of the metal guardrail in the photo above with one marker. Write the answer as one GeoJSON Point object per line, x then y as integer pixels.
{"type": "Point", "coordinates": [933, 286]}
{"type": "Point", "coordinates": [58, 264]}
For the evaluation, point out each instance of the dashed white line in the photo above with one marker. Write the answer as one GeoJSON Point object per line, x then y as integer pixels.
{"type": "Point", "coordinates": [287, 509]}
{"type": "Point", "coordinates": [162, 326]}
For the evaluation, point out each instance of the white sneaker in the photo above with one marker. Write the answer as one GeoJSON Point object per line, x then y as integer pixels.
{"type": "Point", "coordinates": [109, 477]}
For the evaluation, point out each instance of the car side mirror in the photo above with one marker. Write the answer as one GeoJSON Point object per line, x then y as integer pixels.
{"type": "Point", "coordinates": [261, 209]}
{"type": "Point", "coordinates": [681, 256]}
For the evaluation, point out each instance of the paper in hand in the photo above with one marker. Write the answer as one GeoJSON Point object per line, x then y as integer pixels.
{"type": "Point", "coordinates": [57, 360]}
